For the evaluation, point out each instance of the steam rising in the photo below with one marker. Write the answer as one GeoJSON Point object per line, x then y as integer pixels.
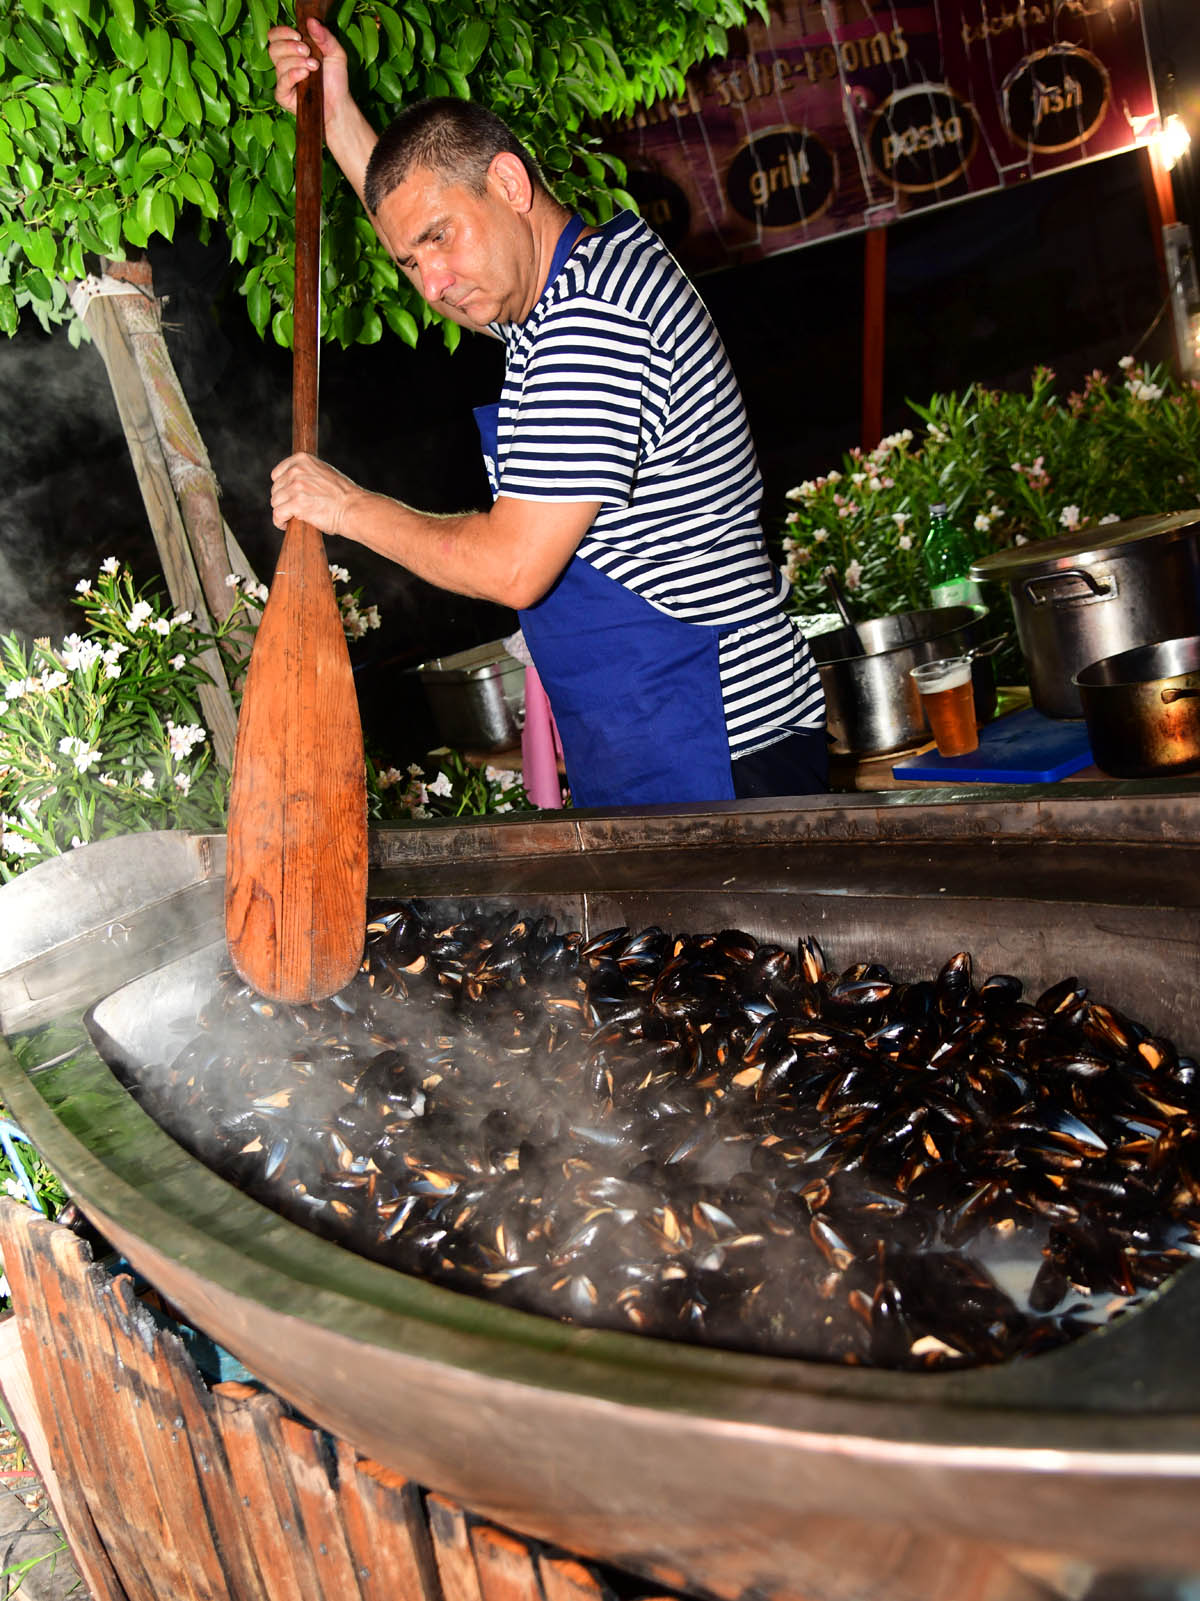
{"type": "Point", "coordinates": [707, 1138]}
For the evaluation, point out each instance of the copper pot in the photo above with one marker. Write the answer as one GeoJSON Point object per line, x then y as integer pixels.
{"type": "Point", "coordinates": [1142, 708]}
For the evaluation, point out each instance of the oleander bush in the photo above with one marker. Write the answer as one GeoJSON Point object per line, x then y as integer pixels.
{"type": "Point", "coordinates": [1012, 467]}
{"type": "Point", "coordinates": [102, 734]}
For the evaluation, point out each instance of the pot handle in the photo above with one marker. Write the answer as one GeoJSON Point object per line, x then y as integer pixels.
{"type": "Point", "coordinates": [1169, 695]}
{"type": "Point", "coordinates": [1099, 588]}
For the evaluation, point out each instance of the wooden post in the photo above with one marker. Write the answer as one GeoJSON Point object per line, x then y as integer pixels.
{"type": "Point", "coordinates": [106, 323]}
{"type": "Point", "coordinates": [873, 324]}
{"type": "Point", "coordinates": [1160, 204]}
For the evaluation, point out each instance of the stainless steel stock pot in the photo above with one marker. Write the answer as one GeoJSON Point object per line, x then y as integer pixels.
{"type": "Point", "coordinates": [1088, 595]}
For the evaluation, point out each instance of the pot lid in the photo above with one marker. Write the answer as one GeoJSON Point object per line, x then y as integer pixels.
{"type": "Point", "coordinates": [1093, 544]}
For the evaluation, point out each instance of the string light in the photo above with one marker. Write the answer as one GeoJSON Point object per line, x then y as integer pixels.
{"type": "Point", "coordinates": [1173, 141]}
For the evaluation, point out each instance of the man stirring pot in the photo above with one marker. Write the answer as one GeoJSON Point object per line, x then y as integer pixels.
{"type": "Point", "coordinates": [624, 529]}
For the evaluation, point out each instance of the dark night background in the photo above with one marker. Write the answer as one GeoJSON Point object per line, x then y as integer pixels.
{"type": "Point", "coordinates": [1060, 271]}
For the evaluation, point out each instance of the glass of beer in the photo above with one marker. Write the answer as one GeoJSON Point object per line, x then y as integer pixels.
{"type": "Point", "coordinates": [948, 701]}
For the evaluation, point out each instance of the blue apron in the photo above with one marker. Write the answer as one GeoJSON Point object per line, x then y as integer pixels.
{"type": "Point", "coordinates": [636, 694]}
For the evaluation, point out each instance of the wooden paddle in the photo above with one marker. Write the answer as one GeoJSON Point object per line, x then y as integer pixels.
{"type": "Point", "coordinates": [296, 879]}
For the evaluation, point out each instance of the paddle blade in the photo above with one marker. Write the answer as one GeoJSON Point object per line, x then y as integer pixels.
{"type": "Point", "coordinates": [296, 879]}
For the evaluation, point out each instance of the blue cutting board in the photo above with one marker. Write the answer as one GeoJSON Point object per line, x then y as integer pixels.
{"type": "Point", "coordinates": [1022, 748]}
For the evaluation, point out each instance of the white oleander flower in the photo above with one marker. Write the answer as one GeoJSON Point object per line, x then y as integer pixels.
{"type": "Point", "coordinates": [140, 613]}
{"type": "Point", "coordinates": [83, 587]}
{"type": "Point", "coordinates": [178, 661]}
{"type": "Point", "coordinates": [442, 786]}
{"type": "Point", "coordinates": [338, 574]}
{"type": "Point", "coordinates": [183, 782]}
{"type": "Point", "coordinates": [80, 654]}
{"type": "Point", "coordinates": [905, 541]}
{"type": "Point", "coordinates": [81, 753]}
{"type": "Point", "coordinates": [183, 738]}
{"type": "Point", "coordinates": [111, 566]}
{"type": "Point", "coordinates": [1069, 517]}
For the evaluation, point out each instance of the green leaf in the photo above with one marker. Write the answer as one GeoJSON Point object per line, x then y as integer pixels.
{"type": "Point", "coordinates": [162, 211]}
{"type": "Point", "coordinates": [127, 44]}
{"type": "Point", "coordinates": [239, 195]}
{"type": "Point", "coordinates": [154, 158]}
{"type": "Point", "coordinates": [208, 45]}
{"type": "Point", "coordinates": [258, 304]}
{"type": "Point", "coordinates": [151, 102]}
{"type": "Point", "coordinates": [472, 43]}
{"type": "Point", "coordinates": [107, 223]}
{"type": "Point", "coordinates": [258, 217]}
{"type": "Point", "coordinates": [401, 322]}
{"type": "Point", "coordinates": [158, 57]}
{"type": "Point", "coordinates": [144, 210]}
{"type": "Point", "coordinates": [9, 315]}
{"type": "Point", "coordinates": [279, 171]}
{"type": "Point", "coordinates": [40, 248]}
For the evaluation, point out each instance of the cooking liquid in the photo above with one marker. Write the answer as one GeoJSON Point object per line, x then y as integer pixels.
{"type": "Point", "coordinates": [948, 700]}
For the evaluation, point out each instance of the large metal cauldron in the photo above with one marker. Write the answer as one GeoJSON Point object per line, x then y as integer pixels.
{"type": "Point", "coordinates": [871, 704]}
{"type": "Point", "coordinates": [706, 1469]}
{"type": "Point", "coordinates": [1084, 596]}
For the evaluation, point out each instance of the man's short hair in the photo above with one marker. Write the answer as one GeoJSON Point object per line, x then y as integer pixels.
{"type": "Point", "coordinates": [457, 139]}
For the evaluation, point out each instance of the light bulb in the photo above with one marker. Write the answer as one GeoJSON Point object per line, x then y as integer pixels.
{"type": "Point", "coordinates": [1173, 141]}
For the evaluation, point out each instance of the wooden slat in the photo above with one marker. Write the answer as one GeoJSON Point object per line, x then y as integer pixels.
{"type": "Point", "coordinates": [505, 1564]}
{"type": "Point", "coordinates": [321, 1523]}
{"type": "Point", "coordinates": [387, 1531]}
{"type": "Point", "coordinates": [567, 1579]}
{"type": "Point", "coordinates": [452, 1549]}
{"type": "Point", "coordinates": [198, 1411]}
{"type": "Point", "coordinates": [56, 1306]}
{"type": "Point", "coordinates": [268, 1511]}
{"type": "Point", "coordinates": [186, 1563]}
{"type": "Point", "coordinates": [88, 1551]}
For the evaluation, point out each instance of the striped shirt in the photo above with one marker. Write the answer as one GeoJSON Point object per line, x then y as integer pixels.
{"type": "Point", "coordinates": [617, 389]}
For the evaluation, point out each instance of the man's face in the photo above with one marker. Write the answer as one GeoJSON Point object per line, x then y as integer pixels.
{"type": "Point", "coordinates": [470, 256]}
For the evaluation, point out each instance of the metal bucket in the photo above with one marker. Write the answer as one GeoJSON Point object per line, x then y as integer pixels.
{"type": "Point", "coordinates": [1143, 709]}
{"type": "Point", "coordinates": [477, 697]}
{"type": "Point", "coordinates": [871, 704]}
{"type": "Point", "coordinates": [1086, 596]}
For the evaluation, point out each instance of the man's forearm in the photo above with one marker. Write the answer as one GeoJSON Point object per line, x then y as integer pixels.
{"type": "Point", "coordinates": [451, 552]}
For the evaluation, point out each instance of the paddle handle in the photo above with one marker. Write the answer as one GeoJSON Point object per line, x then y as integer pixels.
{"type": "Point", "coordinates": [306, 313]}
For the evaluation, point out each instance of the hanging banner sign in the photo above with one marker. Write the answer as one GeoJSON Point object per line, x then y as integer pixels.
{"type": "Point", "coordinates": [847, 114]}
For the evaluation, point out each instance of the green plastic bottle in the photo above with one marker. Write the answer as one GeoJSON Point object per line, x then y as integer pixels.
{"type": "Point", "coordinates": [948, 562]}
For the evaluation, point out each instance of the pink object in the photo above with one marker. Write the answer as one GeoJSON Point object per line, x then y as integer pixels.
{"type": "Point", "coordinates": [540, 746]}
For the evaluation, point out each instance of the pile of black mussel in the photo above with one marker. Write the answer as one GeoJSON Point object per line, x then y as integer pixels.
{"type": "Point", "coordinates": [708, 1138]}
